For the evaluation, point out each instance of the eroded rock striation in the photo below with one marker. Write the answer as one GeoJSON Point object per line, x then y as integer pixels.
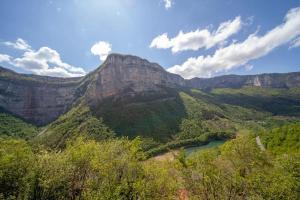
{"type": "Point", "coordinates": [42, 99]}
{"type": "Point", "coordinates": [129, 75]}
{"type": "Point", "coordinates": [36, 99]}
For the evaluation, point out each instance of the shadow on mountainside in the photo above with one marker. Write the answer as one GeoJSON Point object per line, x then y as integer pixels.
{"type": "Point", "coordinates": [154, 115]}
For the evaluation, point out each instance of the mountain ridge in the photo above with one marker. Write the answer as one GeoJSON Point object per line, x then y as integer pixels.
{"type": "Point", "coordinates": [42, 99]}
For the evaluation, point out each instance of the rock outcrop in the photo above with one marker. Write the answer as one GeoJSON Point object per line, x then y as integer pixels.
{"type": "Point", "coordinates": [36, 99]}
{"type": "Point", "coordinates": [41, 99]}
{"type": "Point", "coordinates": [129, 75]}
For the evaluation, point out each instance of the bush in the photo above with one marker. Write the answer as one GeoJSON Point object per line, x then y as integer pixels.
{"type": "Point", "coordinates": [16, 169]}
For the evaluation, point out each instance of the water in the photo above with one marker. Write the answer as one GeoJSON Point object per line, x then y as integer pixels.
{"type": "Point", "coordinates": [212, 144]}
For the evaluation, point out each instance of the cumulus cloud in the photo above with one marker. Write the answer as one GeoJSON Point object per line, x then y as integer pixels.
{"type": "Point", "coordinates": [19, 44]}
{"type": "Point", "coordinates": [101, 49]}
{"type": "Point", "coordinates": [45, 61]}
{"type": "Point", "coordinates": [240, 53]}
{"type": "Point", "coordinates": [198, 39]}
{"type": "Point", "coordinates": [4, 58]}
{"type": "Point", "coordinates": [168, 4]}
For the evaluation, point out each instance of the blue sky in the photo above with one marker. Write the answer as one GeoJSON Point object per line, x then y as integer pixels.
{"type": "Point", "coordinates": [200, 38]}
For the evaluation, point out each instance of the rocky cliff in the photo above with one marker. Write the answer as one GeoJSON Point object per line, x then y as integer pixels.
{"type": "Point", "coordinates": [41, 99]}
{"type": "Point", "coordinates": [274, 80]}
{"type": "Point", "coordinates": [36, 99]}
{"type": "Point", "coordinates": [128, 75]}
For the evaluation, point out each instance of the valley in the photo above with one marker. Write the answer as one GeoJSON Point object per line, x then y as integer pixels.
{"type": "Point", "coordinates": [149, 100]}
{"type": "Point", "coordinates": [130, 96]}
{"type": "Point", "coordinates": [131, 130]}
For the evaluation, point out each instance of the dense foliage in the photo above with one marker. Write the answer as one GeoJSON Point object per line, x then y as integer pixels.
{"type": "Point", "coordinates": [15, 127]}
{"type": "Point", "coordinates": [179, 114]}
{"type": "Point", "coordinates": [117, 169]}
{"type": "Point", "coordinates": [87, 161]}
{"type": "Point", "coordinates": [283, 139]}
{"type": "Point", "coordinates": [84, 170]}
{"type": "Point", "coordinates": [77, 122]}
{"type": "Point", "coordinates": [240, 170]}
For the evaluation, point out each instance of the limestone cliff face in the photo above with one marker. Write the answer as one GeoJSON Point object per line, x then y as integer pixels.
{"type": "Point", "coordinates": [130, 75]}
{"type": "Point", "coordinates": [37, 99]}
{"type": "Point", "coordinates": [41, 99]}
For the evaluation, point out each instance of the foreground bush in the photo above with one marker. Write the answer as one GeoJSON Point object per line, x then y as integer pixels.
{"type": "Point", "coordinates": [117, 169]}
{"type": "Point", "coordinates": [240, 170]}
{"type": "Point", "coordinates": [16, 169]}
{"type": "Point", "coordinates": [84, 170]}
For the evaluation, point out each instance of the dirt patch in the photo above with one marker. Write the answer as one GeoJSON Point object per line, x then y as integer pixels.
{"type": "Point", "coordinates": [169, 156]}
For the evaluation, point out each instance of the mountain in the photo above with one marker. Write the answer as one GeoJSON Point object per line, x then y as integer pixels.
{"type": "Point", "coordinates": [37, 99]}
{"type": "Point", "coordinates": [273, 80]}
{"type": "Point", "coordinates": [121, 75]}
{"type": "Point", "coordinates": [130, 96]}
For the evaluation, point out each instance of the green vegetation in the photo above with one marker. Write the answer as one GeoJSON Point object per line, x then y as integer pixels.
{"type": "Point", "coordinates": [117, 169]}
{"type": "Point", "coordinates": [84, 170]}
{"type": "Point", "coordinates": [153, 115]}
{"type": "Point", "coordinates": [108, 150]}
{"type": "Point", "coordinates": [91, 163]}
{"type": "Point", "coordinates": [14, 127]}
{"type": "Point", "coordinates": [174, 116]}
{"type": "Point", "coordinates": [197, 141]}
{"type": "Point", "coordinates": [276, 101]}
{"type": "Point", "coordinates": [240, 170]}
{"type": "Point", "coordinates": [77, 122]}
{"type": "Point", "coordinates": [283, 139]}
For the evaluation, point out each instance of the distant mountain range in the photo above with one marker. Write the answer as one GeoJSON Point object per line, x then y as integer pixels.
{"type": "Point", "coordinates": [133, 96]}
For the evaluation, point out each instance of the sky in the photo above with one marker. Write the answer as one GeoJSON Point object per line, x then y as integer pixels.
{"type": "Point", "coordinates": [193, 38]}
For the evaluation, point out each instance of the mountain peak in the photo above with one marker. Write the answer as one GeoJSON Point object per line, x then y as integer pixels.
{"type": "Point", "coordinates": [125, 60]}
{"type": "Point", "coordinates": [128, 75]}
{"type": "Point", "coordinates": [43, 98]}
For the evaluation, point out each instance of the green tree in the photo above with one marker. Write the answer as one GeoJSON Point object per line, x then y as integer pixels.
{"type": "Point", "coordinates": [16, 169]}
{"type": "Point", "coordinates": [191, 128]}
{"type": "Point", "coordinates": [240, 170]}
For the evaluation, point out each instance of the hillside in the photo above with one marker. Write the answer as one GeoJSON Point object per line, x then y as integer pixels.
{"type": "Point", "coordinates": [11, 126]}
{"type": "Point", "coordinates": [117, 169]}
{"type": "Point", "coordinates": [41, 99]}
{"type": "Point", "coordinates": [130, 96]}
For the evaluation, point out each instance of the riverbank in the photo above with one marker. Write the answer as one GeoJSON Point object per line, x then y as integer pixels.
{"type": "Point", "coordinates": [199, 141]}
{"type": "Point", "coordinates": [170, 156]}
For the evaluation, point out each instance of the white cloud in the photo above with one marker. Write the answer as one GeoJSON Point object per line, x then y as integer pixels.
{"type": "Point", "coordinates": [238, 54]}
{"type": "Point", "coordinates": [295, 43]}
{"type": "Point", "coordinates": [45, 61]}
{"type": "Point", "coordinates": [19, 44]}
{"type": "Point", "coordinates": [101, 49]}
{"type": "Point", "coordinates": [198, 39]}
{"type": "Point", "coordinates": [4, 58]}
{"type": "Point", "coordinates": [168, 4]}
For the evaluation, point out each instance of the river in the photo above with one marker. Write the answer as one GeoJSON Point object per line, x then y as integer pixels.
{"type": "Point", "coordinates": [189, 150]}
{"type": "Point", "coordinates": [212, 144]}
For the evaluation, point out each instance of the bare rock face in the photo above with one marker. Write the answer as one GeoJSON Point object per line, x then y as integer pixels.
{"type": "Point", "coordinates": [129, 75]}
{"type": "Point", "coordinates": [39, 100]}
